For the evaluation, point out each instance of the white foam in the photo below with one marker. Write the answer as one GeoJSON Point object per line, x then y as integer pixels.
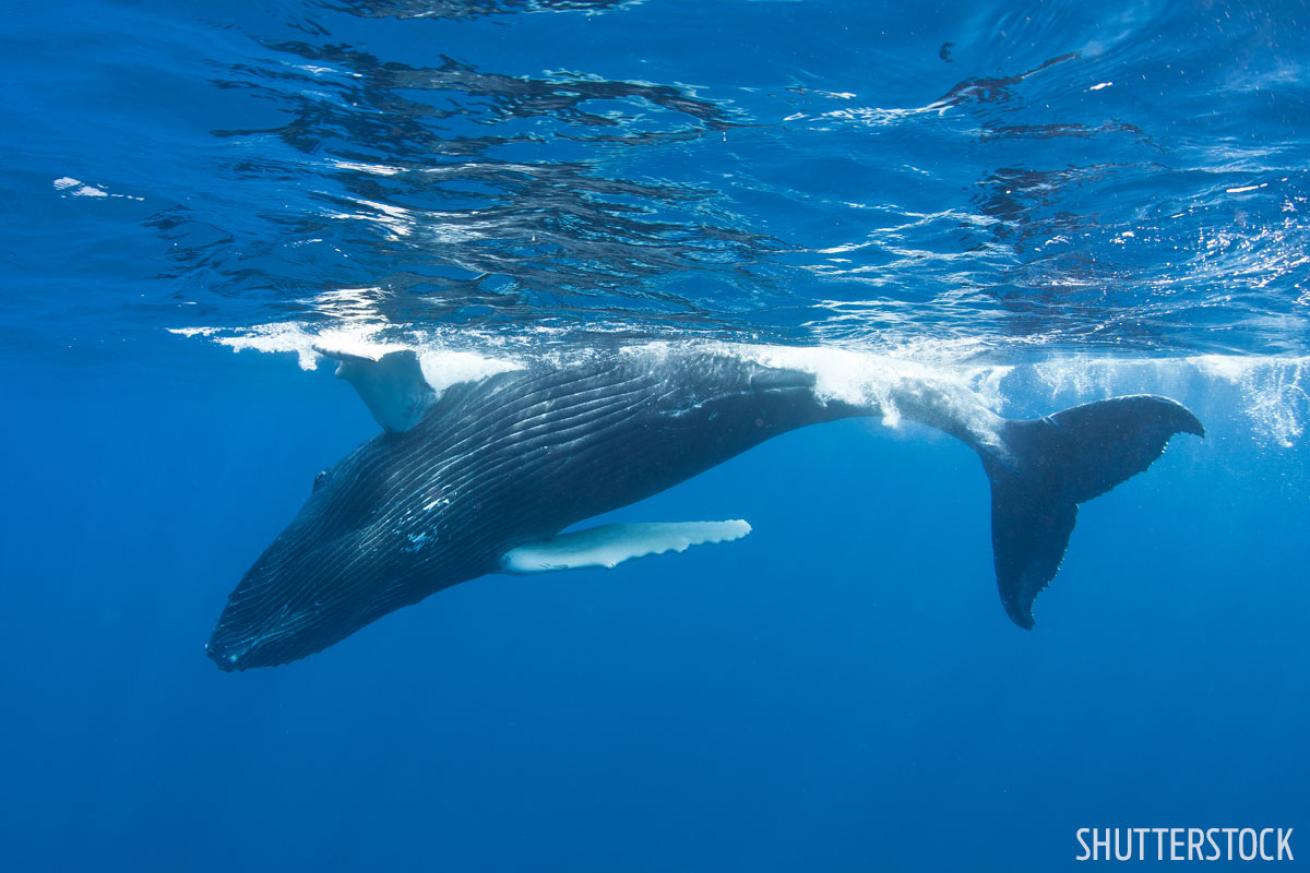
{"type": "Point", "coordinates": [441, 367]}
{"type": "Point", "coordinates": [193, 331]}
{"type": "Point", "coordinates": [1273, 389]}
{"type": "Point", "coordinates": [968, 395]}
{"type": "Point", "coordinates": [1272, 392]}
{"type": "Point", "coordinates": [67, 186]}
{"type": "Point", "coordinates": [1269, 392]}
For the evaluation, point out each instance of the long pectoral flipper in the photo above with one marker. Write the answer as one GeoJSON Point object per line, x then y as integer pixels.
{"type": "Point", "coordinates": [611, 544]}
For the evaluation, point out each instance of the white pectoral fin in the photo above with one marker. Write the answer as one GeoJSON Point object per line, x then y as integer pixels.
{"type": "Point", "coordinates": [392, 387]}
{"type": "Point", "coordinates": [611, 544]}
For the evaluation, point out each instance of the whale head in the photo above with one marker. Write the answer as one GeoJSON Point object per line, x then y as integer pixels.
{"type": "Point", "coordinates": [322, 577]}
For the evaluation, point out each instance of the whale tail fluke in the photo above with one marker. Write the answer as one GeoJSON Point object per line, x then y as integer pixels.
{"type": "Point", "coordinates": [1043, 468]}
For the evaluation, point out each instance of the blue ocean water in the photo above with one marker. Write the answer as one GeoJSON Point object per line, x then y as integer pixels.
{"type": "Point", "coordinates": [1051, 202]}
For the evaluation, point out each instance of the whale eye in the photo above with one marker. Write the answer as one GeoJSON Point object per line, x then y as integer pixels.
{"type": "Point", "coordinates": [320, 479]}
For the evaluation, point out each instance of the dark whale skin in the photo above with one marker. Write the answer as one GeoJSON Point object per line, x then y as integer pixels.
{"type": "Point", "coordinates": [495, 464]}
{"type": "Point", "coordinates": [520, 456]}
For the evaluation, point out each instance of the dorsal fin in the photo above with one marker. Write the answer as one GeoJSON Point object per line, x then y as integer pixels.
{"type": "Point", "coordinates": [392, 387]}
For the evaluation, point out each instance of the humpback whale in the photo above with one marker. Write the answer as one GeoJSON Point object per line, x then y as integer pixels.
{"type": "Point", "coordinates": [489, 476]}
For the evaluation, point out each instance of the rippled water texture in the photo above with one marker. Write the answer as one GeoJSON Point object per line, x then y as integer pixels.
{"type": "Point", "coordinates": [1004, 181]}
